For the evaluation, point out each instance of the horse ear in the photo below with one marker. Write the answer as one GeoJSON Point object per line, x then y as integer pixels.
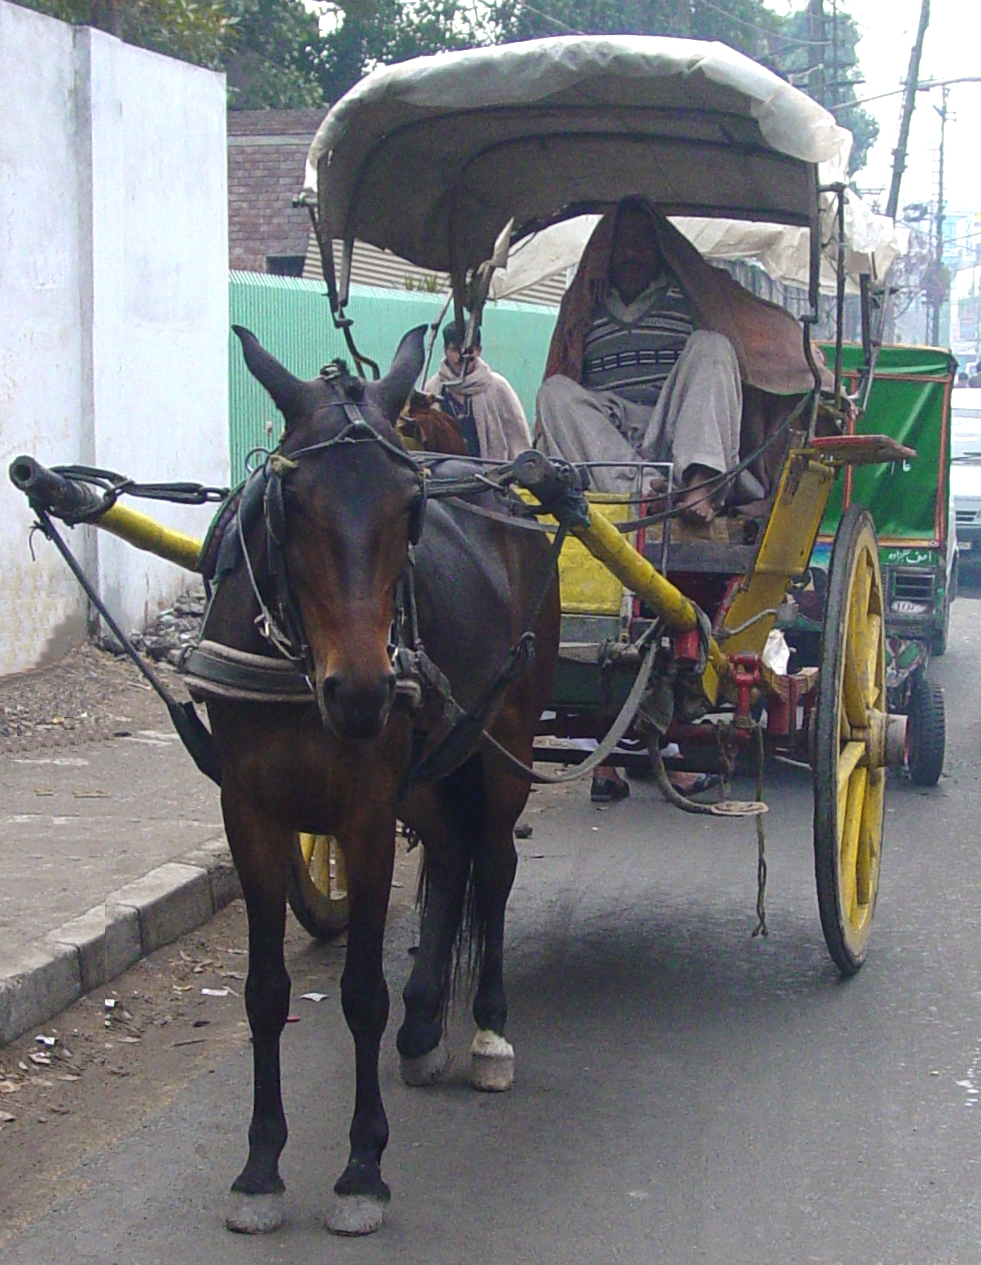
{"type": "Point", "coordinates": [391, 392]}
{"type": "Point", "coordinates": [285, 389]}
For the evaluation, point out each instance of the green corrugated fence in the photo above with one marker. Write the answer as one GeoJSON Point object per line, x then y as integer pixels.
{"type": "Point", "coordinates": [291, 318]}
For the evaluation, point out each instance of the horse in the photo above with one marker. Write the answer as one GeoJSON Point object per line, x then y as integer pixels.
{"type": "Point", "coordinates": [324, 570]}
{"type": "Point", "coordinates": [424, 425]}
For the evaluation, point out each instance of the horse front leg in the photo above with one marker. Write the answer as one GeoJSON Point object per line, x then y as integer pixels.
{"type": "Point", "coordinates": [261, 848]}
{"type": "Point", "coordinates": [495, 865]}
{"type": "Point", "coordinates": [369, 852]}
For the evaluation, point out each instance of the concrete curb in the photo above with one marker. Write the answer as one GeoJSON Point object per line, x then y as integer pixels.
{"type": "Point", "coordinates": [95, 948]}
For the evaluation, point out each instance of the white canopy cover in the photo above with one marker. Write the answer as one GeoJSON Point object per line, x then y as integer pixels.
{"type": "Point", "coordinates": [430, 158]}
{"type": "Point", "coordinates": [872, 242]}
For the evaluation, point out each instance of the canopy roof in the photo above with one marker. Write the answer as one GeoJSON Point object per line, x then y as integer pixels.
{"type": "Point", "coordinates": [430, 158]}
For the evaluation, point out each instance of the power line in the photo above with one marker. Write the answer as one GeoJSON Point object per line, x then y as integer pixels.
{"type": "Point", "coordinates": [898, 92]}
{"type": "Point", "coordinates": [547, 17]}
{"type": "Point", "coordinates": [752, 26]}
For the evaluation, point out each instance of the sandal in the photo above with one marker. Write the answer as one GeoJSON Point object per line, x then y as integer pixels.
{"type": "Point", "coordinates": [703, 782]}
{"type": "Point", "coordinates": [607, 790]}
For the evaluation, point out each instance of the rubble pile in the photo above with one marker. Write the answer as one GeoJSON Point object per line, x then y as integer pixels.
{"type": "Point", "coordinates": [174, 630]}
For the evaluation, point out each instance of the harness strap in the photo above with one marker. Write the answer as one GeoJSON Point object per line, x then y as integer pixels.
{"type": "Point", "coordinates": [490, 746]}
{"type": "Point", "coordinates": [468, 727]}
{"type": "Point", "coordinates": [213, 670]}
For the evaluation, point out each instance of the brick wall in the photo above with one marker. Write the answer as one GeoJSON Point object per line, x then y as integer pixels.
{"type": "Point", "coordinates": [267, 150]}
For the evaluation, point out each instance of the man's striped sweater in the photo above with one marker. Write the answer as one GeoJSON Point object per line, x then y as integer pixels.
{"type": "Point", "coordinates": [631, 350]}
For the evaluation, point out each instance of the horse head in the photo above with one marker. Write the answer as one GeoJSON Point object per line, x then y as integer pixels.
{"type": "Point", "coordinates": [343, 504]}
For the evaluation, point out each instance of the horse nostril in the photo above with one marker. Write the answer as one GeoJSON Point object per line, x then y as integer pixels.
{"type": "Point", "coordinates": [358, 710]}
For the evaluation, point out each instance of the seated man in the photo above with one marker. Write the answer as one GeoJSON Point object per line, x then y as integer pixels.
{"type": "Point", "coordinates": [655, 355]}
{"type": "Point", "coordinates": [649, 358]}
{"type": "Point", "coordinates": [481, 402]}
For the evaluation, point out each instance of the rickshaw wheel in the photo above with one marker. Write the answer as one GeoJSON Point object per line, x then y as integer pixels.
{"type": "Point", "coordinates": [849, 790]}
{"type": "Point", "coordinates": [317, 887]}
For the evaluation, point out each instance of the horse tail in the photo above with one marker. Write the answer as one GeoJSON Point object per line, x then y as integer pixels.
{"type": "Point", "coordinates": [462, 798]}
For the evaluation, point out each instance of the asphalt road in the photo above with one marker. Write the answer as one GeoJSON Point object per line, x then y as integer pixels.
{"type": "Point", "coordinates": [684, 1093]}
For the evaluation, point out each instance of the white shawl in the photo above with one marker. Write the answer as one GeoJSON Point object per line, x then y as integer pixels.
{"type": "Point", "coordinates": [499, 419]}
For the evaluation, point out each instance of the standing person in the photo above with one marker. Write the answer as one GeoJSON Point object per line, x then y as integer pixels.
{"type": "Point", "coordinates": [482, 403]}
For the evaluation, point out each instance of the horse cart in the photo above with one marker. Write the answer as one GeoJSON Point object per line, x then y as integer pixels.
{"type": "Point", "coordinates": [667, 633]}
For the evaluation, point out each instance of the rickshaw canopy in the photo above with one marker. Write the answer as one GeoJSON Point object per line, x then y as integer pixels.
{"type": "Point", "coordinates": [432, 157]}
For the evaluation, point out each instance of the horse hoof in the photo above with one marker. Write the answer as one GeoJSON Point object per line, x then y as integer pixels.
{"type": "Point", "coordinates": [426, 1069]}
{"type": "Point", "coordinates": [355, 1214]}
{"type": "Point", "coordinates": [491, 1062]}
{"type": "Point", "coordinates": [254, 1214]}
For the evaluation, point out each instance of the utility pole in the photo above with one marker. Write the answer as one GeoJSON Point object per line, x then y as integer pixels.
{"type": "Point", "coordinates": [909, 101]}
{"type": "Point", "coordinates": [835, 84]}
{"type": "Point", "coordinates": [818, 50]}
{"type": "Point", "coordinates": [938, 297]}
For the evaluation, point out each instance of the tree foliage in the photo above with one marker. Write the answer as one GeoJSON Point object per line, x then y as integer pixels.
{"type": "Point", "coordinates": [273, 56]}
{"type": "Point", "coordinates": [193, 30]}
{"type": "Point", "coordinates": [278, 55]}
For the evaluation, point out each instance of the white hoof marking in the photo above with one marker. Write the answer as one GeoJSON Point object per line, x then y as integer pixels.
{"type": "Point", "coordinates": [424, 1070]}
{"type": "Point", "coordinates": [254, 1214]}
{"type": "Point", "coordinates": [491, 1062]}
{"type": "Point", "coordinates": [355, 1214]}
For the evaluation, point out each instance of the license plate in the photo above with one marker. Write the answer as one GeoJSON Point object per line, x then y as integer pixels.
{"type": "Point", "coordinates": [964, 545]}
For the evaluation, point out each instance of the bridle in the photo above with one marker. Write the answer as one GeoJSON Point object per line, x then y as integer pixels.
{"type": "Point", "coordinates": [284, 631]}
{"type": "Point", "coordinates": [415, 672]}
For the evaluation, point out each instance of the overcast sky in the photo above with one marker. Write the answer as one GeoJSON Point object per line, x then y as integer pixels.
{"type": "Point", "coordinates": [952, 47]}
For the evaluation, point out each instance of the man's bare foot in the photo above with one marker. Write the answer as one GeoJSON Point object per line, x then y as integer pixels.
{"type": "Point", "coordinates": [695, 502]}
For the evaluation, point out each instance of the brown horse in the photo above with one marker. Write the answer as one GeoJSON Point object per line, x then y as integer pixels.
{"type": "Point", "coordinates": [328, 559]}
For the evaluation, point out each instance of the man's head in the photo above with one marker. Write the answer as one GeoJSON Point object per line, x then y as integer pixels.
{"type": "Point", "coordinates": [453, 343]}
{"type": "Point", "coordinates": [635, 259]}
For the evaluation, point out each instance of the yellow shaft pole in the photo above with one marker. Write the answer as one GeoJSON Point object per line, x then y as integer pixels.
{"type": "Point", "coordinates": [607, 544]}
{"type": "Point", "coordinates": [147, 534]}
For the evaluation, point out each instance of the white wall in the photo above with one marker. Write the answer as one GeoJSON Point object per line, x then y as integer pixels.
{"type": "Point", "coordinates": [134, 206]}
{"type": "Point", "coordinates": [41, 607]}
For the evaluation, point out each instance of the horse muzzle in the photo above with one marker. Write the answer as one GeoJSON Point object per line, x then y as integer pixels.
{"type": "Point", "coordinates": [356, 710]}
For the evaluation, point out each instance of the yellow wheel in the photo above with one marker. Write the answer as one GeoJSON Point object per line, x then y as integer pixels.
{"type": "Point", "coordinates": [849, 777]}
{"type": "Point", "coordinates": [317, 885]}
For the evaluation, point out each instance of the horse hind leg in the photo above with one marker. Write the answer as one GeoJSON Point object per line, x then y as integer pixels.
{"type": "Point", "coordinates": [445, 818]}
{"type": "Point", "coordinates": [420, 1041]}
{"type": "Point", "coordinates": [260, 849]}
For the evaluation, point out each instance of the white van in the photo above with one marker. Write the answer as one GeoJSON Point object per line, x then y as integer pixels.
{"type": "Point", "coordinates": [965, 470]}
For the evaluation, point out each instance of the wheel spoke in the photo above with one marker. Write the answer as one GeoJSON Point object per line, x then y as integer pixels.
{"type": "Point", "coordinates": [847, 762]}
{"type": "Point", "coordinates": [872, 648]}
{"type": "Point", "coordinates": [867, 865]}
{"type": "Point", "coordinates": [855, 682]}
{"type": "Point", "coordinates": [848, 855]}
{"type": "Point", "coordinates": [338, 878]}
{"type": "Point", "coordinates": [317, 855]}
